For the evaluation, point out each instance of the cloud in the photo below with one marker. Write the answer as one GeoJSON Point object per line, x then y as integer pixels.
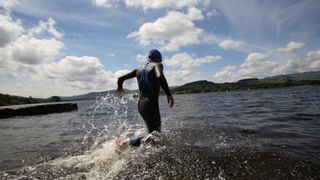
{"type": "Point", "coordinates": [32, 51]}
{"type": "Point", "coordinates": [308, 62]}
{"type": "Point", "coordinates": [105, 3]}
{"type": "Point", "coordinates": [211, 14]}
{"type": "Point", "coordinates": [186, 61]}
{"type": "Point", "coordinates": [259, 65]}
{"type": "Point", "coordinates": [32, 58]}
{"type": "Point", "coordinates": [46, 26]}
{"type": "Point", "coordinates": [29, 57]}
{"type": "Point", "coordinates": [223, 74]}
{"type": "Point", "coordinates": [78, 68]}
{"type": "Point", "coordinates": [256, 65]}
{"type": "Point", "coordinates": [231, 44]}
{"type": "Point", "coordinates": [291, 46]}
{"type": "Point", "coordinates": [178, 77]}
{"type": "Point", "coordinates": [21, 52]}
{"type": "Point", "coordinates": [172, 31]}
{"type": "Point", "coordinates": [80, 72]}
{"type": "Point", "coordinates": [155, 4]}
{"type": "Point", "coordinates": [8, 3]}
{"type": "Point", "coordinates": [150, 4]}
{"type": "Point", "coordinates": [141, 58]}
{"type": "Point", "coordinates": [9, 29]}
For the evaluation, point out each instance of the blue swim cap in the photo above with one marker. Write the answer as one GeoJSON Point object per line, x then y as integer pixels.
{"type": "Point", "coordinates": [155, 55]}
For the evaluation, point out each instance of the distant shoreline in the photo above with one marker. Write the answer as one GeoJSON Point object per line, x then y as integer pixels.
{"type": "Point", "coordinates": [257, 89]}
{"type": "Point", "coordinates": [297, 80]}
{"type": "Point", "coordinates": [175, 91]}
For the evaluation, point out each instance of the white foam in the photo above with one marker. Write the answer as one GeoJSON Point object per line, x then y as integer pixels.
{"type": "Point", "coordinates": [102, 161]}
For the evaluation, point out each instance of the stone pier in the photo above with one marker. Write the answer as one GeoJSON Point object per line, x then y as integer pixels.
{"type": "Point", "coordinates": [36, 109]}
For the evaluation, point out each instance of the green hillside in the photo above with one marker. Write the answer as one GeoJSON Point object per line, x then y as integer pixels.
{"type": "Point", "coordinates": [7, 100]}
{"type": "Point", "coordinates": [246, 84]}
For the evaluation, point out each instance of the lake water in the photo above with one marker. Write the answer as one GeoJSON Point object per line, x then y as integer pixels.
{"type": "Point", "coordinates": [261, 134]}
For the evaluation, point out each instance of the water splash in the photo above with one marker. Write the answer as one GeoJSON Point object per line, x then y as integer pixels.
{"type": "Point", "coordinates": [119, 118]}
{"type": "Point", "coordinates": [110, 117]}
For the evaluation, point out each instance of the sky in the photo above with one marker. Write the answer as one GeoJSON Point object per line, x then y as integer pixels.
{"type": "Point", "coordinates": [73, 47]}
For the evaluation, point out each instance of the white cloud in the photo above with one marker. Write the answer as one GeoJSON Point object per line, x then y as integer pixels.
{"type": "Point", "coordinates": [308, 62]}
{"type": "Point", "coordinates": [172, 31]}
{"type": "Point", "coordinates": [105, 3]}
{"type": "Point", "coordinates": [8, 3]}
{"type": "Point", "coordinates": [291, 46]}
{"type": "Point", "coordinates": [231, 44]}
{"type": "Point", "coordinates": [256, 65]}
{"type": "Point", "coordinates": [141, 58]}
{"type": "Point", "coordinates": [30, 50]}
{"type": "Point", "coordinates": [30, 58]}
{"type": "Point", "coordinates": [224, 74]}
{"type": "Point", "coordinates": [156, 4]}
{"type": "Point", "coordinates": [78, 68]}
{"type": "Point", "coordinates": [186, 61]}
{"type": "Point", "coordinates": [81, 72]}
{"type": "Point", "coordinates": [211, 14]}
{"type": "Point", "coordinates": [48, 26]}
{"type": "Point", "coordinates": [22, 53]}
{"type": "Point", "coordinates": [178, 77]}
{"type": "Point", "coordinates": [9, 29]}
{"type": "Point", "coordinates": [150, 4]}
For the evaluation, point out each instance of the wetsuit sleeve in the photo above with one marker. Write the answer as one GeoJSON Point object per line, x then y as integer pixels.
{"type": "Point", "coordinates": [162, 79]}
{"type": "Point", "coordinates": [125, 77]}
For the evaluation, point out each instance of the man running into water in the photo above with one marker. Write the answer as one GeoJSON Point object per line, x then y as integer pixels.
{"type": "Point", "coordinates": [150, 79]}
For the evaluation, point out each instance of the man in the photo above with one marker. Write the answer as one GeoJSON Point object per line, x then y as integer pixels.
{"type": "Point", "coordinates": [150, 79]}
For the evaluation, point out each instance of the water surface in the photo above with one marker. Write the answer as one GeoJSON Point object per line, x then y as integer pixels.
{"type": "Point", "coordinates": [261, 134]}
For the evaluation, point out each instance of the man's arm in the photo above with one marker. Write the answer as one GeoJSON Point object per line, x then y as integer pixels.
{"type": "Point", "coordinates": [163, 83]}
{"type": "Point", "coordinates": [125, 77]}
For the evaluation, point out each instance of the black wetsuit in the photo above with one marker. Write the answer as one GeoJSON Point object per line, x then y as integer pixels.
{"type": "Point", "coordinates": [150, 78]}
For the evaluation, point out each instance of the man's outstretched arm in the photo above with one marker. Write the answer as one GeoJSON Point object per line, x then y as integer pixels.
{"type": "Point", "coordinates": [121, 79]}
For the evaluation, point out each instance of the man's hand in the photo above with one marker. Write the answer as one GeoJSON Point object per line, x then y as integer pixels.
{"type": "Point", "coordinates": [118, 92]}
{"type": "Point", "coordinates": [170, 101]}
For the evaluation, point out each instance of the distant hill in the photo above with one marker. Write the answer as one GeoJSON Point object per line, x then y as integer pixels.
{"type": "Point", "coordinates": [194, 87]}
{"type": "Point", "coordinates": [313, 75]}
{"type": "Point", "coordinates": [287, 80]}
{"type": "Point", "coordinates": [7, 100]}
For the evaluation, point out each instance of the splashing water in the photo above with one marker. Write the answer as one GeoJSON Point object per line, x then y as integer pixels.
{"type": "Point", "coordinates": [119, 118]}
{"type": "Point", "coordinates": [201, 143]}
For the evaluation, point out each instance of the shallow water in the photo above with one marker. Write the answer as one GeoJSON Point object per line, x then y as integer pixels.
{"type": "Point", "coordinates": [262, 134]}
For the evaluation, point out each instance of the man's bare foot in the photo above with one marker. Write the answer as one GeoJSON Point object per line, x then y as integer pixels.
{"type": "Point", "coordinates": [121, 144]}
